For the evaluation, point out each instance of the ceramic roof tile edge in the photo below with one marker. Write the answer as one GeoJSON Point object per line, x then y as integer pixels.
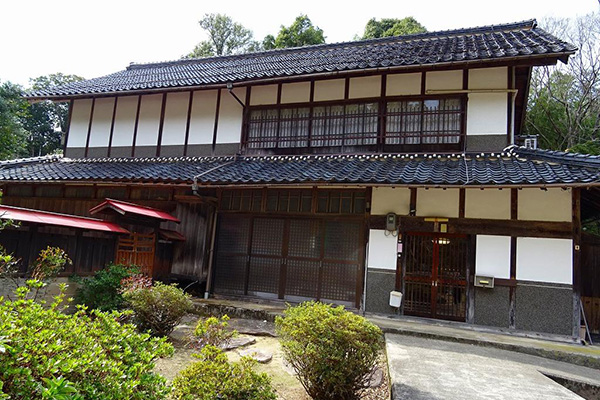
{"type": "Point", "coordinates": [76, 91]}
{"type": "Point", "coordinates": [30, 160]}
{"type": "Point", "coordinates": [525, 24]}
{"type": "Point", "coordinates": [563, 157]}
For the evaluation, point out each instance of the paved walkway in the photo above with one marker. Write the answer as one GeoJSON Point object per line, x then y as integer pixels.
{"type": "Point", "coordinates": [423, 368]}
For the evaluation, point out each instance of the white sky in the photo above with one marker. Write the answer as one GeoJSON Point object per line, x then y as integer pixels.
{"type": "Point", "coordinates": [95, 38]}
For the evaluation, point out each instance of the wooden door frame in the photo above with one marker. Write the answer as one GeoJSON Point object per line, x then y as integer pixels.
{"type": "Point", "coordinates": [401, 270]}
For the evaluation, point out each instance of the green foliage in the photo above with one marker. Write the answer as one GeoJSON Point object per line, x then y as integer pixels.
{"type": "Point", "coordinates": [590, 147]}
{"type": "Point", "coordinates": [214, 377]}
{"type": "Point", "coordinates": [158, 308]}
{"type": "Point", "coordinates": [51, 355]}
{"type": "Point", "coordinates": [47, 121]}
{"type": "Point", "coordinates": [392, 27]}
{"type": "Point", "coordinates": [13, 110]}
{"type": "Point", "coordinates": [103, 290]}
{"type": "Point", "coordinates": [224, 37]}
{"type": "Point", "coordinates": [300, 33]}
{"type": "Point", "coordinates": [213, 331]}
{"type": "Point", "coordinates": [332, 350]}
{"type": "Point", "coordinates": [49, 263]}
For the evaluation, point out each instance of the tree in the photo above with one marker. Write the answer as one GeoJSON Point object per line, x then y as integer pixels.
{"type": "Point", "coordinates": [13, 109]}
{"type": "Point", "coordinates": [564, 100]}
{"type": "Point", "coordinates": [224, 37]}
{"type": "Point", "coordinates": [47, 121]}
{"type": "Point", "coordinates": [392, 27]}
{"type": "Point", "coordinates": [300, 33]}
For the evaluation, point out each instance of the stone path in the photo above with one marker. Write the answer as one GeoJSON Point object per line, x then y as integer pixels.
{"type": "Point", "coordinates": [432, 369]}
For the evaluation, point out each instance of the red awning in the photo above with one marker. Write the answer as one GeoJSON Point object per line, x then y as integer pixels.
{"type": "Point", "coordinates": [168, 234]}
{"type": "Point", "coordinates": [49, 218]}
{"type": "Point", "coordinates": [123, 208]}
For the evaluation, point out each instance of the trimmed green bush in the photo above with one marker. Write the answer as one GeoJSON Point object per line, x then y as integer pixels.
{"type": "Point", "coordinates": [213, 331]}
{"type": "Point", "coordinates": [47, 354]}
{"type": "Point", "coordinates": [158, 308]}
{"type": "Point", "coordinates": [103, 290]}
{"type": "Point", "coordinates": [332, 350]}
{"type": "Point", "coordinates": [214, 377]}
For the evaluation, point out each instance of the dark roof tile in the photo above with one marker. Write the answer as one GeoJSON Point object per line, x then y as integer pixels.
{"type": "Point", "coordinates": [522, 39]}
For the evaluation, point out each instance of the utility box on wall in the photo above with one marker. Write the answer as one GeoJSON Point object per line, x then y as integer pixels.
{"type": "Point", "coordinates": [395, 299]}
{"type": "Point", "coordinates": [484, 281]}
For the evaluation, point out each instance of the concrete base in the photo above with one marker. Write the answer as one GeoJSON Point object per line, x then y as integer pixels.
{"type": "Point", "coordinates": [380, 282]}
{"type": "Point", "coordinates": [544, 307]}
{"type": "Point", "coordinates": [492, 306]}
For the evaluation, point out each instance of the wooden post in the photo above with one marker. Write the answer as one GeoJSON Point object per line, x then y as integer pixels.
{"type": "Point", "coordinates": [576, 213]}
{"type": "Point", "coordinates": [514, 207]}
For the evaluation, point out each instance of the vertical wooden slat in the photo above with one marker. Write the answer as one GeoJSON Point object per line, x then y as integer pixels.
{"type": "Point", "coordinates": [161, 123]}
{"type": "Point", "coordinates": [576, 222]}
{"type": "Point", "coordinates": [188, 120]}
{"type": "Point", "coordinates": [216, 125]}
{"type": "Point", "coordinates": [89, 130]}
{"type": "Point", "coordinates": [136, 125]}
{"type": "Point", "coordinates": [112, 126]}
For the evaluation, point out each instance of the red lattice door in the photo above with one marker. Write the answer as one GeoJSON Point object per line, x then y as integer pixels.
{"type": "Point", "coordinates": [435, 276]}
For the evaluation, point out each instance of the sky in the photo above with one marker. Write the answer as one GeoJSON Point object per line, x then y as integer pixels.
{"type": "Point", "coordinates": [96, 38]}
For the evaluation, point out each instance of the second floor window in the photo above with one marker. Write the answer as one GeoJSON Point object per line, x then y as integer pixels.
{"type": "Point", "coordinates": [390, 125]}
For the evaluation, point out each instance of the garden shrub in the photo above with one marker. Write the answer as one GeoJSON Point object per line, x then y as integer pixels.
{"type": "Point", "coordinates": [213, 331]}
{"type": "Point", "coordinates": [103, 290]}
{"type": "Point", "coordinates": [46, 353]}
{"type": "Point", "coordinates": [214, 377]}
{"type": "Point", "coordinates": [158, 308]}
{"type": "Point", "coordinates": [333, 351]}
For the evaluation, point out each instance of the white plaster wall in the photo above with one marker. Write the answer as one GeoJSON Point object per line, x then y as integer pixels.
{"type": "Point", "coordinates": [545, 260]}
{"type": "Point", "coordinates": [437, 203]}
{"type": "Point", "coordinates": [492, 256]}
{"type": "Point", "coordinates": [332, 89]}
{"type": "Point", "coordinates": [230, 117]}
{"type": "Point", "coordinates": [80, 119]}
{"type": "Point", "coordinates": [386, 200]}
{"type": "Point", "coordinates": [403, 84]}
{"type": "Point", "coordinates": [488, 78]}
{"type": "Point", "coordinates": [368, 86]}
{"type": "Point", "coordinates": [487, 203]}
{"type": "Point", "coordinates": [175, 118]}
{"type": "Point", "coordinates": [263, 95]}
{"type": "Point", "coordinates": [147, 134]}
{"type": "Point", "coordinates": [295, 92]}
{"type": "Point", "coordinates": [539, 205]}
{"type": "Point", "coordinates": [125, 121]}
{"type": "Point", "coordinates": [444, 80]}
{"type": "Point", "coordinates": [382, 250]}
{"type": "Point", "coordinates": [101, 122]}
{"type": "Point", "coordinates": [486, 114]}
{"type": "Point", "coordinates": [202, 120]}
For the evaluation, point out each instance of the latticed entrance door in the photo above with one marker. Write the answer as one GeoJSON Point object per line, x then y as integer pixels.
{"type": "Point", "coordinates": [290, 258]}
{"type": "Point", "coordinates": [137, 249]}
{"type": "Point", "coordinates": [435, 276]}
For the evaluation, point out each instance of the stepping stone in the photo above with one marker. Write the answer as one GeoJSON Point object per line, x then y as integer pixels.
{"type": "Point", "coordinates": [376, 379]}
{"type": "Point", "coordinates": [253, 327]}
{"type": "Point", "coordinates": [257, 355]}
{"type": "Point", "coordinates": [238, 342]}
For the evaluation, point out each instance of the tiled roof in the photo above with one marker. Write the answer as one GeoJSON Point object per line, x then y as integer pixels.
{"type": "Point", "coordinates": [489, 43]}
{"type": "Point", "coordinates": [516, 166]}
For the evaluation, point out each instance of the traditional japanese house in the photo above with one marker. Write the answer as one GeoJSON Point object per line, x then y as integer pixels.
{"type": "Point", "coordinates": [342, 172]}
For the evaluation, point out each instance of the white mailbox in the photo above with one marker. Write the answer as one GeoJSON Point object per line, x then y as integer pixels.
{"type": "Point", "coordinates": [395, 299]}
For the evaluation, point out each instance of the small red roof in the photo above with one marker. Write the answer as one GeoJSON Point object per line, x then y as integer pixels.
{"type": "Point", "coordinates": [49, 218]}
{"type": "Point", "coordinates": [123, 208]}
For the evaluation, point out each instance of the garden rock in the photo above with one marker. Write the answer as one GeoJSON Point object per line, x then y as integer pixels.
{"type": "Point", "coordinates": [260, 356]}
{"type": "Point", "coordinates": [238, 342]}
{"type": "Point", "coordinates": [253, 327]}
{"type": "Point", "coordinates": [376, 379]}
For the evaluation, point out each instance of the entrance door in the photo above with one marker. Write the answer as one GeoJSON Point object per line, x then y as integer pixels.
{"type": "Point", "coordinates": [137, 249]}
{"type": "Point", "coordinates": [435, 275]}
{"type": "Point", "coordinates": [290, 258]}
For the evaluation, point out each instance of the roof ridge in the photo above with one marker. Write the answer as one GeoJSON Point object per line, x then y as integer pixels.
{"type": "Point", "coordinates": [526, 24]}
{"type": "Point", "coordinates": [571, 158]}
{"type": "Point", "coordinates": [29, 160]}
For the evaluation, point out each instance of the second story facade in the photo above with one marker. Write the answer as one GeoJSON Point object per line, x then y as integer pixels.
{"type": "Point", "coordinates": [451, 92]}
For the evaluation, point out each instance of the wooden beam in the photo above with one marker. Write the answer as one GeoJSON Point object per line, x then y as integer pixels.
{"type": "Point", "coordinates": [473, 226]}
{"type": "Point", "coordinates": [136, 125]}
{"type": "Point", "coordinates": [89, 130]}
{"type": "Point", "coordinates": [461, 203]}
{"type": "Point", "coordinates": [577, 286]}
{"type": "Point", "coordinates": [161, 123]}
{"type": "Point", "coordinates": [69, 118]}
{"type": "Point", "coordinates": [112, 127]}
{"type": "Point", "coordinates": [188, 120]}
{"type": "Point", "coordinates": [216, 125]}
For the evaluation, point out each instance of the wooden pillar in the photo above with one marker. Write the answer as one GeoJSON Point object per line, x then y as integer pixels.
{"type": "Point", "coordinates": [514, 206]}
{"type": "Point", "coordinates": [576, 220]}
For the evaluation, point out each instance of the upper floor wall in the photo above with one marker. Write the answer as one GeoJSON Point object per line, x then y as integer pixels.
{"type": "Point", "coordinates": [450, 110]}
